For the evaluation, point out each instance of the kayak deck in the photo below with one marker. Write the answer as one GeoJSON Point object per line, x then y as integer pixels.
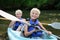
{"type": "Point", "coordinates": [15, 35]}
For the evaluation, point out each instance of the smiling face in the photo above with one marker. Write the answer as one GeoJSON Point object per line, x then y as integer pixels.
{"type": "Point", "coordinates": [34, 14]}
{"type": "Point", "coordinates": [18, 13]}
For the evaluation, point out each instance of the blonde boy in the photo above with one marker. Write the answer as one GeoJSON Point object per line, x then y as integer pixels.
{"type": "Point", "coordinates": [31, 31]}
{"type": "Point", "coordinates": [16, 25]}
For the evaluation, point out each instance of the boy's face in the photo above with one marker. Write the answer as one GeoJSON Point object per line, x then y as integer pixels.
{"type": "Point", "coordinates": [34, 15]}
{"type": "Point", "coordinates": [18, 15]}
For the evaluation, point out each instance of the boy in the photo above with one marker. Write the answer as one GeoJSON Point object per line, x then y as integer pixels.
{"type": "Point", "coordinates": [32, 31]}
{"type": "Point", "coordinates": [16, 25]}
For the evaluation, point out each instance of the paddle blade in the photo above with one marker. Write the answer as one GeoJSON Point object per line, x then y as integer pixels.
{"type": "Point", "coordinates": [8, 16]}
{"type": "Point", "coordinates": [55, 25]}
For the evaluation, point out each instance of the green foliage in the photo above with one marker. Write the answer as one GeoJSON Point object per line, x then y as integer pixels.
{"type": "Point", "coordinates": [20, 3]}
{"type": "Point", "coordinates": [29, 4]}
{"type": "Point", "coordinates": [32, 3]}
{"type": "Point", "coordinates": [58, 5]}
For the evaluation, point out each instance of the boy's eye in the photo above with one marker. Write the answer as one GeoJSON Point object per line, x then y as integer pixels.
{"type": "Point", "coordinates": [36, 13]}
{"type": "Point", "coordinates": [33, 13]}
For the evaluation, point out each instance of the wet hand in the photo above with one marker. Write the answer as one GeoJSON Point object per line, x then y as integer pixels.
{"type": "Point", "coordinates": [49, 32]}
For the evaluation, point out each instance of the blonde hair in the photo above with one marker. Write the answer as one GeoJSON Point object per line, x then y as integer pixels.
{"type": "Point", "coordinates": [35, 9]}
{"type": "Point", "coordinates": [18, 11]}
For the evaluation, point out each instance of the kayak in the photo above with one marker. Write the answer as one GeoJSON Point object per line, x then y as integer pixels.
{"type": "Point", "coordinates": [16, 35]}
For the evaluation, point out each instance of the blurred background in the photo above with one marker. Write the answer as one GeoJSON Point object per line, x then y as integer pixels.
{"type": "Point", "coordinates": [50, 12]}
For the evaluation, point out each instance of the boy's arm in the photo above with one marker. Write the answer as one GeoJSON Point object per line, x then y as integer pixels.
{"type": "Point", "coordinates": [44, 29]}
{"type": "Point", "coordinates": [42, 26]}
{"type": "Point", "coordinates": [19, 28]}
{"type": "Point", "coordinates": [11, 23]}
{"type": "Point", "coordinates": [26, 33]}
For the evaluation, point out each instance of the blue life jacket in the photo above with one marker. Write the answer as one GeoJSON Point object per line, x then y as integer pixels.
{"type": "Point", "coordinates": [16, 25]}
{"type": "Point", "coordinates": [30, 28]}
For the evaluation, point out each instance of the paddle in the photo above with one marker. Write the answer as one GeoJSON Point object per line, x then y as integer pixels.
{"type": "Point", "coordinates": [55, 25]}
{"type": "Point", "coordinates": [11, 17]}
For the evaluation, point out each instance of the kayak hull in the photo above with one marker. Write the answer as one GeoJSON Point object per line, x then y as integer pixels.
{"type": "Point", "coordinates": [16, 35]}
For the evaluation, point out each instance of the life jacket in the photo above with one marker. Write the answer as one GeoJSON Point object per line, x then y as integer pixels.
{"type": "Point", "coordinates": [32, 27]}
{"type": "Point", "coordinates": [16, 25]}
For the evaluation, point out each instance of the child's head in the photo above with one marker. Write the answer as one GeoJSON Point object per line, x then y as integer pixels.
{"type": "Point", "coordinates": [34, 13]}
{"type": "Point", "coordinates": [18, 13]}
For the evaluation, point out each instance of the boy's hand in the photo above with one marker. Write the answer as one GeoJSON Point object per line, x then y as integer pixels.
{"type": "Point", "coordinates": [49, 32]}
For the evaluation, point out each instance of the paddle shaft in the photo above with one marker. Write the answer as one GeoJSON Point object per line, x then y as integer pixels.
{"type": "Point", "coordinates": [3, 18]}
